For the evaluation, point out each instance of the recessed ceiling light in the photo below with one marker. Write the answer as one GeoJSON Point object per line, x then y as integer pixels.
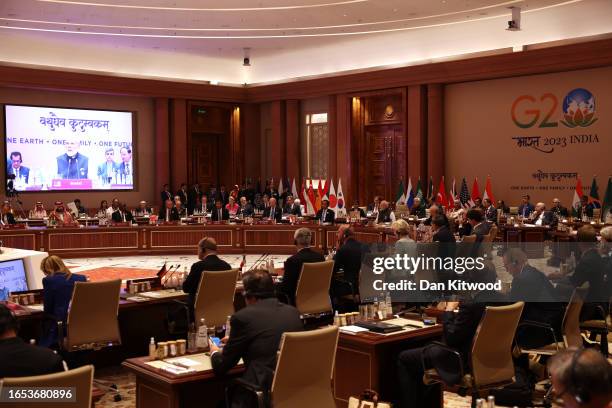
{"type": "Point", "coordinates": [214, 82]}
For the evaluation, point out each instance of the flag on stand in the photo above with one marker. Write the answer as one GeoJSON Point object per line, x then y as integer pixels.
{"type": "Point", "coordinates": [419, 191]}
{"type": "Point", "coordinates": [475, 192]}
{"type": "Point", "coordinates": [607, 202]}
{"type": "Point", "coordinates": [430, 190]}
{"type": "Point", "coordinates": [452, 196]}
{"type": "Point", "coordinates": [280, 186]}
{"type": "Point", "coordinates": [464, 195]}
{"type": "Point", "coordinates": [341, 203]}
{"type": "Point", "coordinates": [400, 197]}
{"type": "Point", "coordinates": [333, 199]}
{"type": "Point", "coordinates": [594, 194]}
{"type": "Point", "coordinates": [318, 196]}
{"type": "Point", "coordinates": [410, 194]}
{"type": "Point", "coordinates": [325, 189]}
{"type": "Point", "coordinates": [310, 201]}
{"type": "Point", "coordinates": [489, 191]}
{"type": "Point", "coordinates": [441, 197]}
{"type": "Point", "coordinates": [576, 199]}
{"type": "Point", "coordinates": [302, 193]}
{"type": "Point", "coordinates": [294, 191]}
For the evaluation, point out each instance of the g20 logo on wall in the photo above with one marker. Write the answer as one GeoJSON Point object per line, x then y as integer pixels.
{"type": "Point", "coordinates": [578, 109]}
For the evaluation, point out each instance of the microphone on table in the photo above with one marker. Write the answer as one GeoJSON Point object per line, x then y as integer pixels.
{"type": "Point", "coordinates": [166, 274]}
{"type": "Point", "coordinates": [175, 269]}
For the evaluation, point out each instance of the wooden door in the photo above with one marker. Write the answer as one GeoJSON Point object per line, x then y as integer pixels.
{"type": "Point", "coordinates": [385, 160]}
{"type": "Point", "coordinates": [205, 161]}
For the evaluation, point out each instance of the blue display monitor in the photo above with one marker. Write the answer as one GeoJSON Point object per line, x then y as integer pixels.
{"type": "Point", "coordinates": [12, 278]}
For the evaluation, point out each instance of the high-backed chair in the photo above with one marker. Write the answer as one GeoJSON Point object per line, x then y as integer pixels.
{"type": "Point", "coordinates": [308, 385]}
{"type": "Point", "coordinates": [215, 297]}
{"type": "Point", "coordinates": [570, 327]}
{"type": "Point", "coordinates": [312, 293]}
{"type": "Point", "coordinates": [600, 327]}
{"type": "Point", "coordinates": [80, 378]}
{"type": "Point", "coordinates": [487, 240]}
{"type": "Point", "coordinates": [92, 319]}
{"type": "Point", "coordinates": [491, 364]}
{"type": "Point", "coordinates": [466, 247]}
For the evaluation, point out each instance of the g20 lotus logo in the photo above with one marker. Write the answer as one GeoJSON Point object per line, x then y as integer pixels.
{"type": "Point", "coordinates": [578, 110]}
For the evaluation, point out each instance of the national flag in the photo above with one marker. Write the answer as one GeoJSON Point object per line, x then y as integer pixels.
{"type": "Point", "coordinates": [594, 194]}
{"type": "Point", "coordinates": [333, 199]}
{"type": "Point", "coordinates": [162, 271]}
{"type": "Point", "coordinates": [464, 195]}
{"type": "Point", "coordinates": [325, 188]}
{"type": "Point", "coordinates": [302, 193]}
{"type": "Point", "coordinates": [340, 194]}
{"type": "Point", "coordinates": [576, 199]}
{"type": "Point", "coordinates": [452, 195]}
{"type": "Point", "coordinates": [441, 197]}
{"type": "Point", "coordinates": [318, 196]}
{"type": "Point", "coordinates": [475, 192]}
{"type": "Point", "coordinates": [258, 187]}
{"type": "Point", "coordinates": [400, 197]}
{"type": "Point", "coordinates": [419, 191]}
{"type": "Point", "coordinates": [280, 185]}
{"type": "Point", "coordinates": [410, 194]}
{"type": "Point", "coordinates": [430, 190]}
{"type": "Point", "coordinates": [294, 191]}
{"type": "Point", "coordinates": [489, 191]}
{"type": "Point", "coordinates": [310, 201]}
{"type": "Point", "coordinates": [607, 202]}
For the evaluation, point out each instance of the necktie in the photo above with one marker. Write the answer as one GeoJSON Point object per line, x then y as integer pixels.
{"type": "Point", "coordinates": [167, 214]}
{"type": "Point", "coordinates": [323, 215]}
{"type": "Point", "coordinates": [219, 215]}
{"type": "Point", "coordinates": [127, 168]}
{"type": "Point", "coordinates": [17, 173]}
{"type": "Point", "coordinates": [272, 214]}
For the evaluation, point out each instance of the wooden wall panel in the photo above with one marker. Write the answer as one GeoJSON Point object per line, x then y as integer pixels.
{"type": "Point", "coordinates": [179, 162]}
{"type": "Point", "coordinates": [162, 143]}
{"type": "Point", "coordinates": [102, 240]}
{"type": "Point", "coordinates": [435, 132]}
{"type": "Point", "coordinates": [292, 139]}
{"type": "Point", "coordinates": [416, 124]}
{"type": "Point", "coordinates": [276, 148]}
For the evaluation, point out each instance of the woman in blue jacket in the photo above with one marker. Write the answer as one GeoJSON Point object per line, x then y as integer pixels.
{"type": "Point", "coordinates": [58, 285]}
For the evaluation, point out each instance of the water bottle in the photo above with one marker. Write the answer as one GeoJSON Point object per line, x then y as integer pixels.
{"type": "Point", "coordinates": [490, 401]}
{"type": "Point", "coordinates": [202, 336]}
{"type": "Point", "coordinates": [192, 339]}
{"type": "Point", "coordinates": [228, 326]}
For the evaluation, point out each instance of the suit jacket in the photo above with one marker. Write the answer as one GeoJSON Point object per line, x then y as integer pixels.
{"type": "Point", "coordinates": [174, 214]}
{"type": "Point", "coordinates": [443, 235]}
{"type": "Point", "coordinates": [585, 210]}
{"type": "Point", "coordinates": [57, 294]}
{"type": "Point", "coordinates": [255, 337]}
{"type": "Point", "coordinates": [247, 211]}
{"type": "Point", "coordinates": [23, 172]}
{"type": "Point", "coordinates": [117, 216]}
{"type": "Point", "coordinates": [418, 212]}
{"type": "Point", "coordinates": [293, 209]}
{"type": "Point", "coordinates": [278, 213]}
{"type": "Point", "coordinates": [293, 269]}
{"type": "Point", "coordinates": [210, 263]}
{"type": "Point", "coordinates": [348, 258]}
{"type": "Point", "coordinates": [165, 195]}
{"type": "Point", "coordinates": [330, 215]}
{"type": "Point", "coordinates": [491, 214]}
{"type": "Point", "coordinates": [480, 230]}
{"type": "Point", "coordinates": [214, 216]}
{"type": "Point", "coordinates": [362, 213]}
{"type": "Point", "coordinates": [72, 168]}
{"type": "Point", "coordinates": [591, 268]}
{"type": "Point", "coordinates": [103, 169]}
{"type": "Point", "coordinates": [560, 211]}
{"type": "Point", "coordinates": [548, 218]}
{"type": "Point", "coordinates": [525, 209]}
{"type": "Point", "coordinates": [384, 215]}
{"type": "Point", "coordinates": [8, 218]}
{"type": "Point", "coordinates": [18, 359]}
{"type": "Point", "coordinates": [183, 196]}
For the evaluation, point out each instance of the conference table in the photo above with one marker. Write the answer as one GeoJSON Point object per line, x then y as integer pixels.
{"type": "Point", "coordinates": [122, 240]}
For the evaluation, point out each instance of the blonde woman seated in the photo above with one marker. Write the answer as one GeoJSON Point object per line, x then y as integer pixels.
{"type": "Point", "coordinates": [58, 285]}
{"type": "Point", "coordinates": [404, 243]}
{"type": "Point", "coordinates": [232, 207]}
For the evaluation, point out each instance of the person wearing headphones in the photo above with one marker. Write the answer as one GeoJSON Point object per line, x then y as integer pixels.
{"type": "Point", "coordinates": [209, 261]}
{"type": "Point", "coordinates": [255, 335]}
{"type": "Point", "coordinates": [582, 378]}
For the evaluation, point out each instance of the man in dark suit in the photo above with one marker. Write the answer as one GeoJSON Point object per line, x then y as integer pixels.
{"type": "Point", "coordinates": [18, 359]}
{"type": "Point", "coordinates": [256, 332]}
{"type": "Point", "coordinates": [209, 261]}
{"type": "Point", "coordinates": [355, 207]}
{"type": "Point", "coordinates": [541, 302]}
{"type": "Point", "coordinates": [16, 168]}
{"type": "Point", "coordinates": [246, 209]}
{"type": "Point", "coordinates": [182, 193]}
{"type": "Point", "coordinates": [446, 245]}
{"type": "Point", "coordinates": [540, 216]}
{"type": "Point", "coordinates": [325, 215]}
{"type": "Point", "coordinates": [72, 164]}
{"type": "Point", "coordinates": [348, 260]}
{"type": "Point", "coordinates": [458, 330]}
{"type": "Point", "coordinates": [418, 209]}
{"type": "Point", "coordinates": [224, 195]}
{"type": "Point", "coordinates": [219, 213]}
{"type": "Point", "coordinates": [122, 214]}
{"type": "Point", "coordinates": [525, 209]}
{"type": "Point", "coordinates": [293, 265]}
{"type": "Point", "coordinates": [434, 212]}
{"type": "Point", "coordinates": [169, 213]}
{"type": "Point", "coordinates": [490, 211]}
{"type": "Point", "coordinates": [480, 227]}
{"type": "Point", "coordinates": [194, 196]}
{"type": "Point", "coordinates": [373, 208]}
{"type": "Point", "coordinates": [166, 194]}
{"type": "Point", "coordinates": [384, 213]}
{"type": "Point", "coordinates": [273, 211]}
{"type": "Point", "coordinates": [585, 208]}
{"type": "Point", "coordinates": [126, 168]}
{"type": "Point", "coordinates": [290, 207]}
{"type": "Point", "coordinates": [559, 210]}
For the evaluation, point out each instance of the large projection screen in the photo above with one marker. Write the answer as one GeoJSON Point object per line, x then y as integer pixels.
{"type": "Point", "coordinates": [50, 149]}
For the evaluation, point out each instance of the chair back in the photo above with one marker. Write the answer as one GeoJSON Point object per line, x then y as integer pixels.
{"type": "Point", "coordinates": [466, 246]}
{"type": "Point", "coordinates": [92, 318]}
{"type": "Point", "coordinates": [571, 319]}
{"type": "Point", "coordinates": [492, 347]}
{"type": "Point", "coordinates": [215, 297]}
{"type": "Point", "coordinates": [312, 293]}
{"type": "Point", "coordinates": [310, 384]}
{"type": "Point", "coordinates": [80, 378]}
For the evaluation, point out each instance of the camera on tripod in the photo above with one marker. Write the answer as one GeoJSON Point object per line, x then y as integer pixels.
{"type": "Point", "coordinates": [10, 186]}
